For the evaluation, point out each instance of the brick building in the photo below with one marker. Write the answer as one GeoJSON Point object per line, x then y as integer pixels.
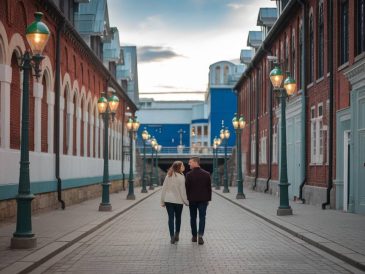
{"type": "Point", "coordinates": [79, 132]}
{"type": "Point", "coordinates": [321, 43]}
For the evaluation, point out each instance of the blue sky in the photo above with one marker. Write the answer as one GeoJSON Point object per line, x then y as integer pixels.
{"type": "Point", "coordinates": [177, 40]}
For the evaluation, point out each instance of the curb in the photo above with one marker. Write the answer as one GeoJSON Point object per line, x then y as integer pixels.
{"type": "Point", "coordinates": [66, 245]}
{"type": "Point", "coordinates": [331, 251]}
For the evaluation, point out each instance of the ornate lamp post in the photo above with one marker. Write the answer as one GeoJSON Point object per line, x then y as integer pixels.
{"type": "Point", "coordinates": [224, 135]}
{"type": "Point", "coordinates": [239, 124]}
{"type": "Point", "coordinates": [152, 176]}
{"type": "Point", "coordinates": [216, 142]}
{"type": "Point", "coordinates": [276, 77]}
{"type": "Point", "coordinates": [145, 137]}
{"type": "Point", "coordinates": [157, 148]}
{"type": "Point", "coordinates": [106, 108]}
{"type": "Point", "coordinates": [37, 34]}
{"type": "Point", "coordinates": [132, 127]}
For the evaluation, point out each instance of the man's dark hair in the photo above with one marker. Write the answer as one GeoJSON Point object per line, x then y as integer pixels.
{"type": "Point", "coordinates": [196, 159]}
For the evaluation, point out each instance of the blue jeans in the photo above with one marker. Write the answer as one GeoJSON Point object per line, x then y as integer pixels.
{"type": "Point", "coordinates": [174, 211]}
{"type": "Point", "coordinates": [194, 208]}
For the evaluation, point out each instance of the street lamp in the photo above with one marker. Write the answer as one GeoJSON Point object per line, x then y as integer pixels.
{"type": "Point", "coordinates": [106, 108]}
{"type": "Point", "coordinates": [276, 77]}
{"type": "Point", "coordinates": [145, 137]}
{"type": "Point", "coordinates": [239, 124]}
{"type": "Point", "coordinates": [157, 148]}
{"type": "Point", "coordinates": [37, 34]}
{"type": "Point", "coordinates": [224, 135]}
{"type": "Point", "coordinates": [216, 142]}
{"type": "Point", "coordinates": [152, 177]}
{"type": "Point", "coordinates": [132, 127]}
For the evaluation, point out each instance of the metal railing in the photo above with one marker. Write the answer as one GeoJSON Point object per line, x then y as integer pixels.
{"type": "Point", "coordinates": [187, 150]}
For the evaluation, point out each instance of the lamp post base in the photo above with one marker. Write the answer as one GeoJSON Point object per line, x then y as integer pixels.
{"type": "Point", "coordinates": [226, 190]}
{"type": "Point", "coordinates": [131, 197]}
{"type": "Point", "coordinates": [144, 190]}
{"type": "Point", "coordinates": [105, 207]}
{"type": "Point", "coordinates": [240, 196]}
{"type": "Point", "coordinates": [23, 243]}
{"type": "Point", "coordinates": [284, 211]}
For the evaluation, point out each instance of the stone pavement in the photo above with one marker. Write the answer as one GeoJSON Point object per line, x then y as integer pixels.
{"type": "Point", "coordinates": [235, 242]}
{"type": "Point", "coordinates": [59, 229]}
{"type": "Point", "coordinates": [338, 233]}
{"type": "Point", "coordinates": [133, 238]}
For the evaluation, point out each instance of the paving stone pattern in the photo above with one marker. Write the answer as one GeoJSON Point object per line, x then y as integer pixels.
{"type": "Point", "coordinates": [235, 242]}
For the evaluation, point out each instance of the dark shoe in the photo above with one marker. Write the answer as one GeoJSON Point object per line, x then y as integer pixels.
{"type": "Point", "coordinates": [176, 237]}
{"type": "Point", "coordinates": [172, 240]}
{"type": "Point", "coordinates": [194, 239]}
{"type": "Point", "coordinates": [200, 241]}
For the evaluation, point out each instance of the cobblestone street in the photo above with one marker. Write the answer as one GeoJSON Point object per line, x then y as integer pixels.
{"type": "Point", "coordinates": [235, 242]}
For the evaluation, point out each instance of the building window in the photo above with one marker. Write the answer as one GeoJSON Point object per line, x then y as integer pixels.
{"type": "Point", "coordinates": [360, 24]}
{"type": "Point", "coordinates": [317, 134]}
{"type": "Point", "coordinates": [286, 52]}
{"type": "Point", "coordinates": [205, 130]}
{"type": "Point", "coordinates": [293, 60]}
{"type": "Point", "coordinates": [344, 31]}
{"type": "Point", "coordinates": [217, 75]}
{"type": "Point", "coordinates": [300, 55]}
{"type": "Point", "coordinates": [263, 159]}
{"type": "Point", "coordinates": [320, 39]}
{"type": "Point", "coordinates": [253, 149]}
{"type": "Point", "coordinates": [311, 50]}
{"type": "Point", "coordinates": [225, 74]}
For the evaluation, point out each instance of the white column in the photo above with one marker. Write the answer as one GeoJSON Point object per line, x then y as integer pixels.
{"type": "Point", "coordinates": [101, 138]}
{"type": "Point", "coordinates": [86, 120]}
{"type": "Point", "coordinates": [50, 102]}
{"type": "Point", "coordinates": [62, 107]}
{"type": "Point", "coordinates": [5, 80]}
{"type": "Point", "coordinates": [70, 114]}
{"type": "Point", "coordinates": [97, 130]}
{"type": "Point", "coordinates": [91, 145]}
{"type": "Point", "coordinates": [78, 131]}
{"type": "Point", "coordinates": [38, 95]}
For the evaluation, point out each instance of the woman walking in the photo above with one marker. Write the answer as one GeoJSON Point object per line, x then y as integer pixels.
{"type": "Point", "coordinates": [173, 197]}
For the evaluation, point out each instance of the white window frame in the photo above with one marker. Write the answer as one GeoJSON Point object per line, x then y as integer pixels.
{"type": "Point", "coordinates": [264, 148]}
{"type": "Point", "coordinates": [313, 135]}
{"type": "Point", "coordinates": [320, 137]}
{"type": "Point", "coordinates": [275, 145]}
{"type": "Point", "coordinates": [253, 147]}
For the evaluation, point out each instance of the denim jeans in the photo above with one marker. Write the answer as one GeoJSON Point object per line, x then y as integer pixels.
{"type": "Point", "coordinates": [194, 208]}
{"type": "Point", "coordinates": [174, 211]}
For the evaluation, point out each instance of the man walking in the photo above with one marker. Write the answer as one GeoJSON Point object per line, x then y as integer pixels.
{"type": "Point", "coordinates": [199, 193]}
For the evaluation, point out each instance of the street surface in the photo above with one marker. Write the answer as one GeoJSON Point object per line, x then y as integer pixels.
{"type": "Point", "coordinates": [235, 242]}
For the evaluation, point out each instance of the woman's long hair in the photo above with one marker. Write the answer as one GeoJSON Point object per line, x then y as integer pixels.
{"type": "Point", "coordinates": [175, 168]}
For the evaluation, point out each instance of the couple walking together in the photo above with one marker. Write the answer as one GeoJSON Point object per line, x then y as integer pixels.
{"type": "Point", "coordinates": [194, 191]}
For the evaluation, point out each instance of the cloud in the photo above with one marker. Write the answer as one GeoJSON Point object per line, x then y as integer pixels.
{"type": "Point", "coordinates": [156, 54]}
{"type": "Point", "coordinates": [236, 6]}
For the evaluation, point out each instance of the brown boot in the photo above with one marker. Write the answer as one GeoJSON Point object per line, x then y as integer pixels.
{"type": "Point", "coordinates": [200, 240]}
{"type": "Point", "coordinates": [176, 237]}
{"type": "Point", "coordinates": [194, 239]}
{"type": "Point", "coordinates": [172, 240]}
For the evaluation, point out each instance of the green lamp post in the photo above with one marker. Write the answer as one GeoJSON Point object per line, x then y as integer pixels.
{"type": "Point", "coordinates": [276, 77]}
{"type": "Point", "coordinates": [218, 142]}
{"type": "Point", "coordinates": [132, 127]}
{"type": "Point", "coordinates": [157, 148]}
{"type": "Point", "coordinates": [145, 137]}
{"type": "Point", "coordinates": [224, 135]}
{"type": "Point", "coordinates": [215, 147]}
{"type": "Point", "coordinates": [152, 176]}
{"type": "Point", "coordinates": [239, 124]}
{"type": "Point", "coordinates": [37, 34]}
{"type": "Point", "coordinates": [107, 108]}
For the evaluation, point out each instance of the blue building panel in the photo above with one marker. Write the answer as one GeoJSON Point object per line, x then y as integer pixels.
{"type": "Point", "coordinates": [199, 121]}
{"type": "Point", "coordinates": [167, 135]}
{"type": "Point", "coordinates": [223, 107]}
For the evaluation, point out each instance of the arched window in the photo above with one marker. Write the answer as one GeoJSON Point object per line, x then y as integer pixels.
{"type": "Point", "coordinates": [360, 26]}
{"type": "Point", "coordinates": [66, 122]}
{"type": "Point", "coordinates": [44, 117]}
{"type": "Point", "coordinates": [344, 31]}
{"type": "Point", "coordinates": [311, 50]}
{"type": "Point", "coordinates": [217, 75]}
{"type": "Point", "coordinates": [82, 134]}
{"type": "Point", "coordinates": [74, 125]}
{"type": "Point", "coordinates": [301, 35]}
{"type": "Point", "coordinates": [293, 56]}
{"type": "Point", "coordinates": [225, 74]}
{"type": "Point", "coordinates": [320, 39]}
{"type": "Point", "coordinates": [15, 104]}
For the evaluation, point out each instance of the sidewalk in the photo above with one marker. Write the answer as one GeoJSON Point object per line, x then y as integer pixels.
{"type": "Point", "coordinates": [58, 229]}
{"type": "Point", "coordinates": [338, 233]}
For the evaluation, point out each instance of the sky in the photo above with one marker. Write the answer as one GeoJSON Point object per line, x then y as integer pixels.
{"type": "Point", "coordinates": [177, 40]}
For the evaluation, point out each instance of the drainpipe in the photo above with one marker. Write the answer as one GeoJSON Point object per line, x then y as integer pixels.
{"type": "Point", "coordinates": [257, 130]}
{"type": "Point", "coordinates": [122, 162]}
{"type": "Point", "coordinates": [250, 115]}
{"type": "Point", "coordinates": [330, 122]}
{"type": "Point", "coordinates": [304, 102]}
{"type": "Point", "coordinates": [57, 107]}
{"type": "Point", "coordinates": [270, 129]}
